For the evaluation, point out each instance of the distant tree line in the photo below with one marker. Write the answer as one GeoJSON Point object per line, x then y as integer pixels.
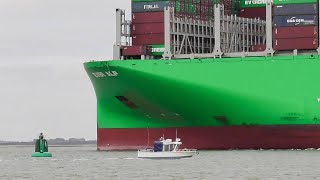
{"type": "Point", "coordinates": [56, 141]}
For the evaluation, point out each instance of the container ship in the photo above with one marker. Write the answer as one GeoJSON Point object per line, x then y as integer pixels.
{"type": "Point", "coordinates": [217, 74]}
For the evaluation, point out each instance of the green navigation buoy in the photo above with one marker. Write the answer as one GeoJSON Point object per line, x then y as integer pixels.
{"type": "Point", "coordinates": [41, 148]}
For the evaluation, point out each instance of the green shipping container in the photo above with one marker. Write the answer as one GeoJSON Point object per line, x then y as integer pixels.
{"type": "Point", "coordinates": [279, 2]}
{"type": "Point", "coordinates": [157, 49]}
{"type": "Point", "coordinates": [147, 0]}
{"type": "Point", "coordinates": [231, 6]}
{"type": "Point", "coordinates": [261, 3]}
{"type": "Point", "coordinates": [188, 8]}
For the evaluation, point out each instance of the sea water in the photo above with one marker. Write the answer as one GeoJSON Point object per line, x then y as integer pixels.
{"type": "Point", "coordinates": [85, 162]}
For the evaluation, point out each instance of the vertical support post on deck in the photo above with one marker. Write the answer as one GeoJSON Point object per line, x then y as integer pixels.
{"type": "Point", "coordinates": [269, 49]}
{"type": "Point", "coordinates": [167, 33]}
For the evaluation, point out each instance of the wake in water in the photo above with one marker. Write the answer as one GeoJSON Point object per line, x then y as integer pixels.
{"type": "Point", "coordinates": [82, 159]}
{"type": "Point", "coordinates": [132, 158]}
{"type": "Point", "coordinates": [308, 149]}
{"type": "Point", "coordinates": [57, 159]}
{"type": "Point", "coordinates": [126, 158]}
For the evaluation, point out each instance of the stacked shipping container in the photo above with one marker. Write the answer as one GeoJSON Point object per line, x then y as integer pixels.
{"type": "Point", "coordinates": [196, 9]}
{"type": "Point", "coordinates": [231, 7]}
{"type": "Point", "coordinates": [295, 25]}
{"type": "Point", "coordinates": [295, 22]}
{"type": "Point", "coordinates": [253, 9]}
{"type": "Point", "coordinates": [203, 9]}
{"type": "Point", "coordinates": [147, 28]}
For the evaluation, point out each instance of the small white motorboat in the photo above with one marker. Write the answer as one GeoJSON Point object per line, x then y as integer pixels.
{"type": "Point", "coordinates": [166, 149]}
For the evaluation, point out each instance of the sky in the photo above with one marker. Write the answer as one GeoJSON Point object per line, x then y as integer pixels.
{"type": "Point", "coordinates": [43, 85]}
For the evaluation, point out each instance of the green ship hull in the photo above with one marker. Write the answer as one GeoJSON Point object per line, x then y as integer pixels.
{"type": "Point", "coordinates": [240, 95]}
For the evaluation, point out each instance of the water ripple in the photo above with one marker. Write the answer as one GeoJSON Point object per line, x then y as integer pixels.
{"type": "Point", "coordinates": [81, 159]}
{"type": "Point", "coordinates": [85, 163]}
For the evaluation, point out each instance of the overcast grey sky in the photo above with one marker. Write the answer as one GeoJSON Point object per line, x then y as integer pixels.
{"type": "Point", "coordinates": [43, 86]}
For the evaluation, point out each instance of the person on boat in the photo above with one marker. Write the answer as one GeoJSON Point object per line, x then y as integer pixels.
{"type": "Point", "coordinates": [161, 139]}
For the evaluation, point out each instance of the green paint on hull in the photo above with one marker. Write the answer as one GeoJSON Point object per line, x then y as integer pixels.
{"type": "Point", "coordinates": [280, 90]}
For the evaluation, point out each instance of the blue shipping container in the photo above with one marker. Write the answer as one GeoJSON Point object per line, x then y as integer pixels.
{"type": "Point", "coordinates": [137, 7]}
{"type": "Point", "coordinates": [295, 20]}
{"type": "Point", "coordinates": [295, 9]}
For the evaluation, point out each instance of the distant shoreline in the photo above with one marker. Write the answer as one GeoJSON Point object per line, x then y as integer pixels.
{"type": "Point", "coordinates": [52, 142]}
{"type": "Point", "coordinates": [52, 146]}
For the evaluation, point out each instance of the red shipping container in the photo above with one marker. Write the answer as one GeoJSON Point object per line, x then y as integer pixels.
{"type": "Point", "coordinates": [149, 17]}
{"type": "Point", "coordinates": [259, 12]}
{"type": "Point", "coordinates": [295, 43]}
{"type": "Point", "coordinates": [295, 32]}
{"type": "Point", "coordinates": [150, 28]}
{"type": "Point", "coordinates": [148, 39]}
{"type": "Point", "coordinates": [136, 50]}
{"type": "Point", "coordinates": [258, 47]}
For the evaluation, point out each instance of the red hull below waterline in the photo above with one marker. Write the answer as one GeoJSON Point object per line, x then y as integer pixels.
{"type": "Point", "coordinates": [215, 138]}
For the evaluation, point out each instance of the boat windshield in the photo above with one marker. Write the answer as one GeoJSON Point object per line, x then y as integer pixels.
{"type": "Point", "coordinates": [171, 147]}
{"type": "Point", "coordinates": [167, 147]}
{"type": "Point", "coordinates": [177, 146]}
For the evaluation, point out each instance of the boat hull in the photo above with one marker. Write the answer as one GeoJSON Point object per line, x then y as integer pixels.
{"type": "Point", "coordinates": [228, 103]}
{"type": "Point", "coordinates": [166, 155]}
{"type": "Point", "coordinates": [215, 138]}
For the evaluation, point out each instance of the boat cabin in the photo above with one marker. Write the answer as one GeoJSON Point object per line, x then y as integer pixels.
{"type": "Point", "coordinates": [166, 145]}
